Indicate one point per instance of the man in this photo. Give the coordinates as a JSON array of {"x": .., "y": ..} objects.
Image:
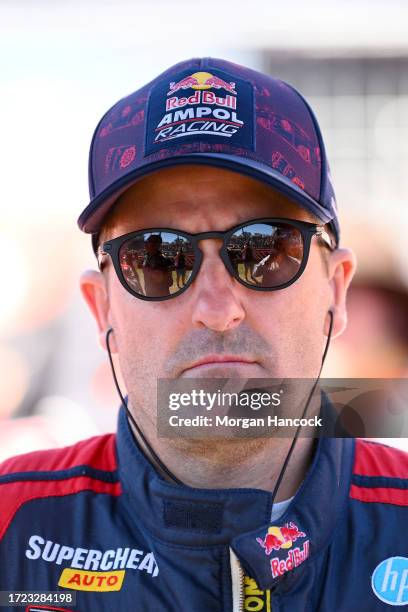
[
  {"x": 136, "y": 521},
  {"x": 156, "y": 268},
  {"x": 248, "y": 259},
  {"x": 180, "y": 265},
  {"x": 281, "y": 263}
]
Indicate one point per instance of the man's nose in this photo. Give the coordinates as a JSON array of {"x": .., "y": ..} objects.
[{"x": 217, "y": 295}]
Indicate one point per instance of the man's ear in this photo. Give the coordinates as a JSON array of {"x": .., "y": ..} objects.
[
  {"x": 341, "y": 268},
  {"x": 94, "y": 291}
]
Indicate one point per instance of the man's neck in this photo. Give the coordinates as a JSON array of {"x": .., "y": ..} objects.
[{"x": 250, "y": 463}]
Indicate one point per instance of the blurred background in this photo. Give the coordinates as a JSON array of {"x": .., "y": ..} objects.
[{"x": 63, "y": 64}]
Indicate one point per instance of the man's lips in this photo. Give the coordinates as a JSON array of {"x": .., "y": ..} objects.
[{"x": 220, "y": 359}]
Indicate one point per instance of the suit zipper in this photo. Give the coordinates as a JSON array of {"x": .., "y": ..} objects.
[
  {"x": 238, "y": 587},
  {"x": 237, "y": 579}
]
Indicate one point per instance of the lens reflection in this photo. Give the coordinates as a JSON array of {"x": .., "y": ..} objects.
[
  {"x": 156, "y": 265},
  {"x": 266, "y": 255}
]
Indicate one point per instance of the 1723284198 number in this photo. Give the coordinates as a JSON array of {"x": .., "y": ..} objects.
[{"x": 20, "y": 598}]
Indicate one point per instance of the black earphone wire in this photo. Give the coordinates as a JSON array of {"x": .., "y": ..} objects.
[
  {"x": 141, "y": 434},
  {"x": 166, "y": 469},
  {"x": 292, "y": 446}
]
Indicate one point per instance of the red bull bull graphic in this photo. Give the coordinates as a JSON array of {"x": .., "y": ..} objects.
[
  {"x": 201, "y": 106},
  {"x": 280, "y": 537},
  {"x": 186, "y": 83},
  {"x": 201, "y": 80},
  {"x": 270, "y": 542},
  {"x": 217, "y": 83},
  {"x": 283, "y": 538}
]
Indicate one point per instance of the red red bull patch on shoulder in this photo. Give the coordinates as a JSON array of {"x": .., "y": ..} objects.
[
  {"x": 200, "y": 106},
  {"x": 280, "y": 541}
]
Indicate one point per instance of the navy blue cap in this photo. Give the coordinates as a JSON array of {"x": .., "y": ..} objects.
[{"x": 214, "y": 112}]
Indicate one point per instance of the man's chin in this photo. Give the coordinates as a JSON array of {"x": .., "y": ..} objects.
[{"x": 206, "y": 447}]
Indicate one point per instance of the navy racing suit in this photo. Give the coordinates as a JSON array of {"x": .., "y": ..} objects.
[{"x": 96, "y": 519}]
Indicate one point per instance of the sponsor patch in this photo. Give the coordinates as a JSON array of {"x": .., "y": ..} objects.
[
  {"x": 390, "y": 581},
  {"x": 281, "y": 539},
  {"x": 254, "y": 598},
  {"x": 90, "y": 569},
  {"x": 200, "y": 106},
  {"x": 81, "y": 580}
]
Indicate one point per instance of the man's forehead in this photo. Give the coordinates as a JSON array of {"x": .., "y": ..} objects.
[{"x": 177, "y": 196}]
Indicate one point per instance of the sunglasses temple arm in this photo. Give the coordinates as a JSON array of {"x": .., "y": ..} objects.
[{"x": 325, "y": 236}]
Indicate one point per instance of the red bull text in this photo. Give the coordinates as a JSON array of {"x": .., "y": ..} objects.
[
  {"x": 281, "y": 538},
  {"x": 295, "y": 557},
  {"x": 202, "y": 97}
]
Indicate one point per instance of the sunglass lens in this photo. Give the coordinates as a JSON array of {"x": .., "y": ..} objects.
[
  {"x": 266, "y": 254},
  {"x": 156, "y": 265}
]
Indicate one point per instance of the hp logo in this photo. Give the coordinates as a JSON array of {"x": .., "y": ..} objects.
[{"x": 390, "y": 581}]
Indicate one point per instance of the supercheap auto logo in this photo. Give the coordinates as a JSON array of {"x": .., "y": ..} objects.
[
  {"x": 281, "y": 539},
  {"x": 205, "y": 106},
  {"x": 90, "y": 569}
]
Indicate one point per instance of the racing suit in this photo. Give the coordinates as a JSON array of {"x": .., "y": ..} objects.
[{"x": 97, "y": 520}]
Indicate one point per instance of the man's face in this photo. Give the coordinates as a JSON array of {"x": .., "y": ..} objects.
[{"x": 260, "y": 334}]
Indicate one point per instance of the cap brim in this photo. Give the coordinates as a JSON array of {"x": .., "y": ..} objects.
[{"x": 91, "y": 219}]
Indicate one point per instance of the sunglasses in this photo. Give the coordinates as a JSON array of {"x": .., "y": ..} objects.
[{"x": 263, "y": 254}]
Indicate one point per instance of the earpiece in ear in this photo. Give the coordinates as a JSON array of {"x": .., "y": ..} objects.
[
  {"x": 108, "y": 333},
  {"x": 330, "y": 312}
]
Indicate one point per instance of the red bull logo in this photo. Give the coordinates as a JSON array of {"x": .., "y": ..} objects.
[
  {"x": 281, "y": 538},
  {"x": 202, "y": 80},
  {"x": 200, "y": 106}
]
